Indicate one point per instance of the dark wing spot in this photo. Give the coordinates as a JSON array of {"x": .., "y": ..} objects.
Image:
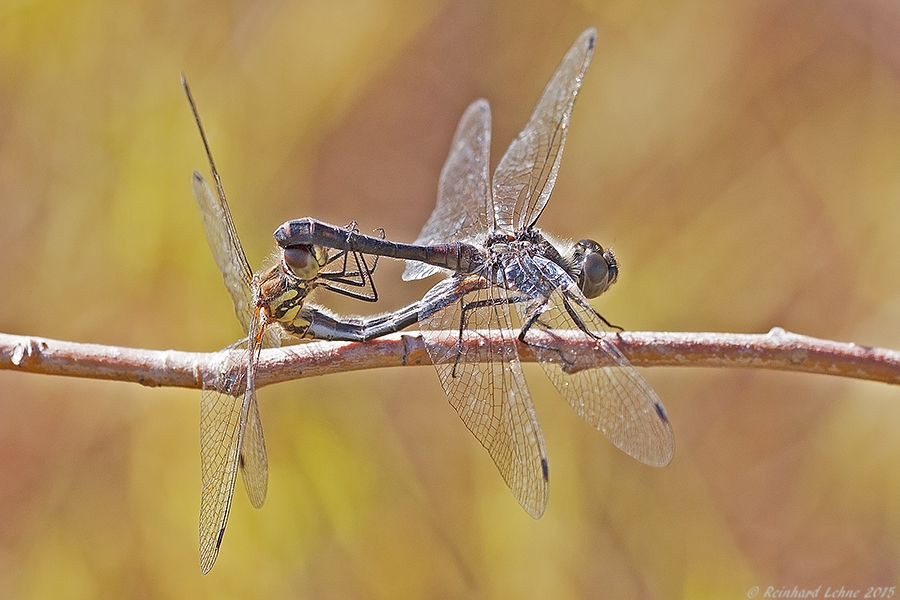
[
  {"x": 661, "y": 412},
  {"x": 545, "y": 469},
  {"x": 219, "y": 540}
]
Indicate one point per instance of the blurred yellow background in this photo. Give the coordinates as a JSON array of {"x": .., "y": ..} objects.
[{"x": 743, "y": 159}]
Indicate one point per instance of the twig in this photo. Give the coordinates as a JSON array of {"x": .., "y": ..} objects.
[{"x": 777, "y": 350}]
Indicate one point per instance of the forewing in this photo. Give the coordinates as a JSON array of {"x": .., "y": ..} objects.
[
  {"x": 463, "y": 211},
  {"x": 226, "y": 248},
  {"x": 527, "y": 172},
  {"x": 488, "y": 391},
  {"x": 606, "y": 391}
]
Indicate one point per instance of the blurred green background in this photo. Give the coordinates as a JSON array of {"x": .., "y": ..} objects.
[{"x": 742, "y": 158}]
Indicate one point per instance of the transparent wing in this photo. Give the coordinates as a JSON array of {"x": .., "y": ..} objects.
[
  {"x": 220, "y": 433},
  {"x": 527, "y": 172},
  {"x": 488, "y": 391},
  {"x": 226, "y": 248},
  {"x": 463, "y": 210},
  {"x": 609, "y": 393},
  {"x": 253, "y": 461},
  {"x": 231, "y": 437}
]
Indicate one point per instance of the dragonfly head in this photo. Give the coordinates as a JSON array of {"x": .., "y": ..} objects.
[
  {"x": 597, "y": 268},
  {"x": 304, "y": 261}
]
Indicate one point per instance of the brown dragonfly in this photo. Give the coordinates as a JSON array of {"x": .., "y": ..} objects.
[
  {"x": 231, "y": 435},
  {"x": 483, "y": 232}
]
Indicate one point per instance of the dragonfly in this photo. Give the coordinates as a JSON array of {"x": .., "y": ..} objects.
[
  {"x": 483, "y": 233},
  {"x": 231, "y": 434}
]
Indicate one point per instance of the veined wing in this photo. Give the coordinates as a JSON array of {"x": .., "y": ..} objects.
[
  {"x": 488, "y": 392},
  {"x": 226, "y": 248},
  {"x": 527, "y": 172},
  {"x": 231, "y": 435},
  {"x": 463, "y": 211},
  {"x": 254, "y": 463},
  {"x": 230, "y": 438},
  {"x": 225, "y": 244},
  {"x": 220, "y": 432},
  {"x": 607, "y": 391},
  {"x": 228, "y": 253}
]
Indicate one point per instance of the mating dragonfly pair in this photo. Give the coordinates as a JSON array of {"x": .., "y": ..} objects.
[{"x": 507, "y": 282}]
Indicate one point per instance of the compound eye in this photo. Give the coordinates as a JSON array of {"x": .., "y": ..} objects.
[
  {"x": 302, "y": 261},
  {"x": 599, "y": 270}
]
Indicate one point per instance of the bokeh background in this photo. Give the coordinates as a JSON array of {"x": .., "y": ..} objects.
[{"x": 743, "y": 158}]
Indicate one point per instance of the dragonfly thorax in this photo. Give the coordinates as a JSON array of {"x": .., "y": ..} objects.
[{"x": 280, "y": 293}]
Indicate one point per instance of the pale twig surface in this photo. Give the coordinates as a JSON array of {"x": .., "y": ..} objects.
[{"x": 777, "y": 350}]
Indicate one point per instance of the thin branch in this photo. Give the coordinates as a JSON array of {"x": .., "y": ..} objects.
[{"x": 776, "y": 350}]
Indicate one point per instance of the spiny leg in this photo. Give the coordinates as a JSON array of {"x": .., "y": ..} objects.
[
  {"x": 465, "y": 311},
  {"x": 360, "y": 278}
]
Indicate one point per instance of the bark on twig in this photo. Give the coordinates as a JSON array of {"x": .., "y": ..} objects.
[{"x": 776, "y": 350}]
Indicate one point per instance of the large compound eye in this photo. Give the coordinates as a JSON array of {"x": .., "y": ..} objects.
[
  {"x": 303, "y": 261},
  {"x": 598, "y": 270}
]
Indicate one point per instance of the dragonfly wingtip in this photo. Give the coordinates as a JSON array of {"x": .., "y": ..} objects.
[{"x": 207, "y": 562}]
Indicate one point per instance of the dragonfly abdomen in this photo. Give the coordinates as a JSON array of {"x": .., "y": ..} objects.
[{"x": 459, "y": 257}]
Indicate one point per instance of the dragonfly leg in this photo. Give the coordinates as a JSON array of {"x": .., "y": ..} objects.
[
  {"x": 465, "y": 311},
  {"x": 533, "y": 318},
  {"x": 360, "y": 278},
  {"x": 352, "y": 230},
  {"x": 580, "y": 322},
  {"x": 607, "y": 323}
]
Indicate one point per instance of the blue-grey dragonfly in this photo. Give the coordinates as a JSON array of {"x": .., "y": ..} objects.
[
  {"x": 483, "y": 232},
  {"x": 231, "y": 435}
]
